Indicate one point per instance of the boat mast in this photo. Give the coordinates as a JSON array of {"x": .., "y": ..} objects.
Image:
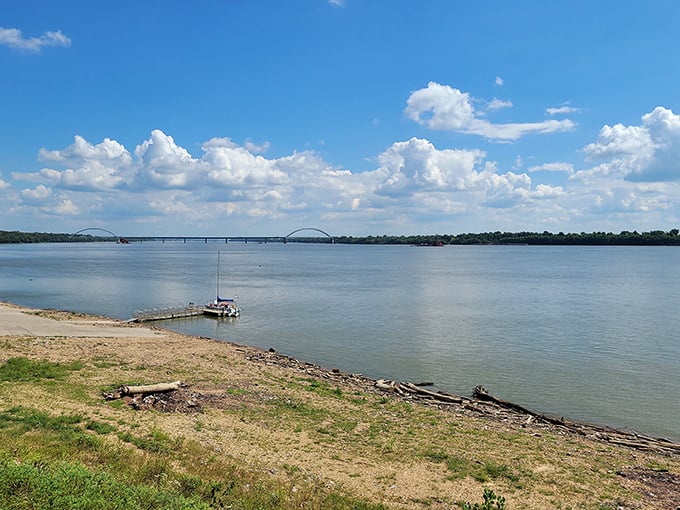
[{"x": 218, "y": 275}]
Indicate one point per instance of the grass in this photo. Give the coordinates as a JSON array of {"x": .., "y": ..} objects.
[
  {"x": 55, "y": 461},
  {"x": 482, "y": 471},
  {"x": 278, "y": 440},
  {"x": 27, "y": 370},
  {"x": 72, "y": 485}
]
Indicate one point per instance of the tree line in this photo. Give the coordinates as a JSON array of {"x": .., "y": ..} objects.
[
  {"x": 46, "y": 237},
  {"x": 624, "y": 238}
]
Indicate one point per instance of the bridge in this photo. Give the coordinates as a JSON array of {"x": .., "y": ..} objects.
[{"x": 205, "y": 239}]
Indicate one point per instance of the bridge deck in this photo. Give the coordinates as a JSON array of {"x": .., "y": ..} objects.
[{"x": 226, "y": 239}]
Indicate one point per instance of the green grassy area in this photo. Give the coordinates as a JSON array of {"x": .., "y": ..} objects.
[
  {"x": 66, "y": 461},
  {"x": 63, "y": 446},
  {"x": 69, "y": 461}
]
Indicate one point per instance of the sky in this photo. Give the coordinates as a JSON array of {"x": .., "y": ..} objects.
[{"x": 357, "y": 117}]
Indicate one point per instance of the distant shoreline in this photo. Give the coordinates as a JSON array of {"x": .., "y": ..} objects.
[{"x": 623, "y": 238}]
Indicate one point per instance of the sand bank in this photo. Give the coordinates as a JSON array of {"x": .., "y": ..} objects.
[{"x": 15, "y": 321}]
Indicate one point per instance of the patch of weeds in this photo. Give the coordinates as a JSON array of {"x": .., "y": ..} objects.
[
  {"x": 236, "y": 391},
  {"x": 99, "y": 427},
  {"x": 436, "y": 455},
  {"x": 657, "y": 466},
  {"x": 492, "y": 470},
  {"x": 462, "y": 468},
  {"x": 156, "y": 442},
  {"x": 299, "y": 409},
  {"x": 107, "y": 362},
  {"x": 291, "y": 470},
  {"x": 29, "y": 419},
  {"x": 25, "y": 370},
  {"x": 346, "y": 425},
  {"x": 322, "y": 388},
  {"x": 116, "y": 404},
  {"x": 459, "y": 467},
  {"x": 57, "y": 437},
  {"x": 491, "y": 502}
]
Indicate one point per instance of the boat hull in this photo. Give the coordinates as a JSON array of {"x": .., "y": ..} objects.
[{"x": 222, "y": 311}]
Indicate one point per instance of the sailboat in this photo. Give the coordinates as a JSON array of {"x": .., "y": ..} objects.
[{"x": 221, "y": 307}]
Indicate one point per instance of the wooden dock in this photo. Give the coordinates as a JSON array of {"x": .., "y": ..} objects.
[{"x": 171, "y": 312}]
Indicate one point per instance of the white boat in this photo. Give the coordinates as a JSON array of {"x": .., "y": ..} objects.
[{"x": 221, "y": 307}]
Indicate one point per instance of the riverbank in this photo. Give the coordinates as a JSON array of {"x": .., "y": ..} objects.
[{"x": 304, "y": 430}]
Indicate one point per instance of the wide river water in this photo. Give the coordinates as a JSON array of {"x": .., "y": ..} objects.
[{"x": 589, "y": 333}]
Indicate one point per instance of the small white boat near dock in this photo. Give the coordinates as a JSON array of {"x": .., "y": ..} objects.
[{"x": 221, "y": 307}]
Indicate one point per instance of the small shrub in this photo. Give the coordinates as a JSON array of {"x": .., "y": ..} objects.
[{"x": 491, "y": 502}]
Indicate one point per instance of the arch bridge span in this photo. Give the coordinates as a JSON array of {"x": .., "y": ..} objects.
[
  {"x": 243, "y": 239},
  {"x": 98, "y": 229},
  {"x": 313, "y": 229}
]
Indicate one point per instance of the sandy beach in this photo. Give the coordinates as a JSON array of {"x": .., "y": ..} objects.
[{"x": 244, "y": 404}]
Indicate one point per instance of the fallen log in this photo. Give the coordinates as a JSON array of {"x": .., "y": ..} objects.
[
  {"x": 414, "y": 390},
  {"x": 480, "y": 393},
  {"x": 125, "y": 391},
  {"x": 444, "y": 397},
  {"x": 151, "y": 388}
]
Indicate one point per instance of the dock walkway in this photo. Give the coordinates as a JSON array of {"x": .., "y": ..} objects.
[{"x": 172, "y": 312}]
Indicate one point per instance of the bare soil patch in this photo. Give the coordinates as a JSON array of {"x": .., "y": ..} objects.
[{"x": 659, "y": 488}]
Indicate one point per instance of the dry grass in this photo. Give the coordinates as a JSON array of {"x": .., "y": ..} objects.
[{"x": 307, "y": 430}]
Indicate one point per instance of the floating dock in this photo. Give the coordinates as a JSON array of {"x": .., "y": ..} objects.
[{"x": 171, "y": 312}]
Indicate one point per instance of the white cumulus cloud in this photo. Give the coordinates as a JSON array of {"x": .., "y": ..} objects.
[
  {"x": 104, "y": 166},
  {"x": 14, "y": 38},
  {"x": 414, "y": 185},
  {"x": 441, "y": 107},
  {"x": 648, "y": 152}
]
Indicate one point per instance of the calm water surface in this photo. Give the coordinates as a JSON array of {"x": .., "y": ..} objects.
[{"x": 590, "y": 333}]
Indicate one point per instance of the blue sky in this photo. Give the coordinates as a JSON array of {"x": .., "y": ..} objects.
[{"x": 358, "y": 117}]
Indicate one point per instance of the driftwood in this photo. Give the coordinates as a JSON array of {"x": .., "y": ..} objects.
[
  {"x": 407, "y": 388},
  {"x": 126, "y": 391},
  {"x": 480, "y": 393},
  {"x": 484, "y": 403}
]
